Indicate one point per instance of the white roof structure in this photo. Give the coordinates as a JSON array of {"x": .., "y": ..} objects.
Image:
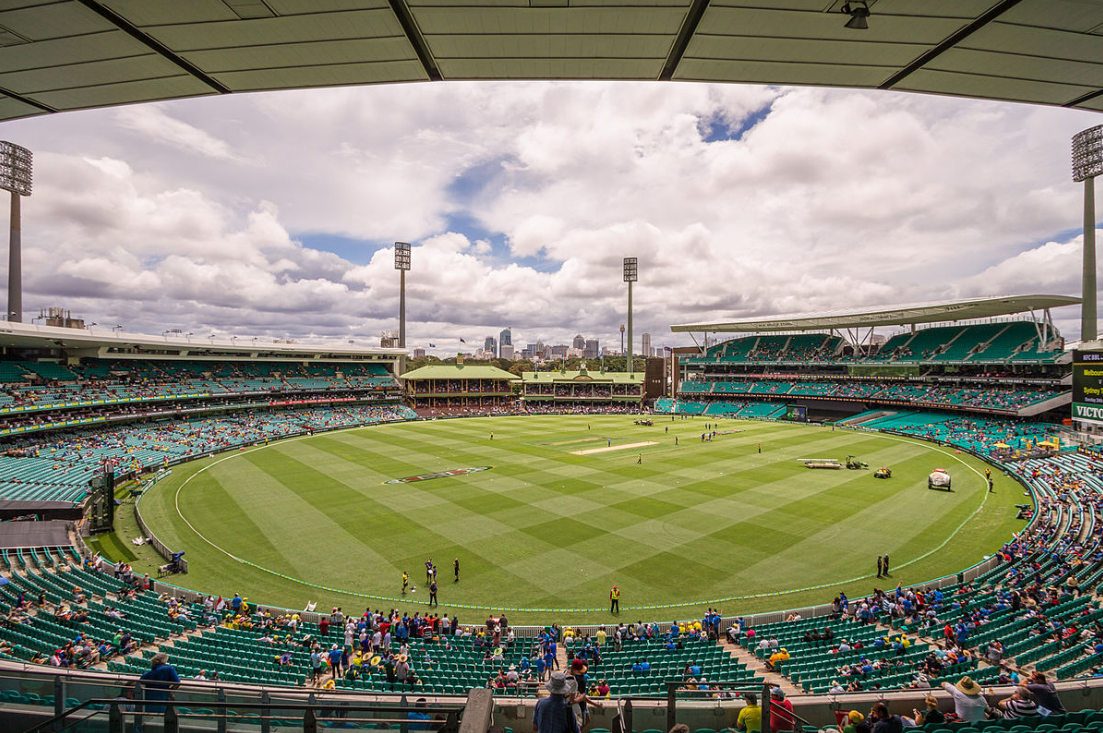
[
  {"x": 889, "y": 315},
  {"x": 108, "y": 342},
  {"x": 58, "y": 55}
]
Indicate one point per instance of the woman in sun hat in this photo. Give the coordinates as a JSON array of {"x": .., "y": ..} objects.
[
  {"x": 969, "y": 704},
  {"x": 553, "y": 714}
]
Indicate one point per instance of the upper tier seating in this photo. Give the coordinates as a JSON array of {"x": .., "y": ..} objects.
[
  {"x": 48, "y": 385},
  {"x": 985, "y": 343}
]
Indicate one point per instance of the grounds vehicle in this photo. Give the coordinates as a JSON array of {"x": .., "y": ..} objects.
[
  {"x": 883, "y": 473},
  {"x": 853, "y": 463},
  {"x": 939, "y": 479}
]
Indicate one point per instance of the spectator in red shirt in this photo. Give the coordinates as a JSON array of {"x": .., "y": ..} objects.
[{"x": 781, "y": 711}]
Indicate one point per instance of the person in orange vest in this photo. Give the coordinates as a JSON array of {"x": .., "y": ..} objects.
[{"x": 614, "y": 600}]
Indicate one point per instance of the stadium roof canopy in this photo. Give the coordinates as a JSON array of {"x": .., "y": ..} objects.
[
  {"x": 458, "y": 371},
  {"x": 58, "y": 55},
  {"x": 583, "y": 375},
  {"x": 890, "y": 315},
  {"x": 116, "y": 343}
]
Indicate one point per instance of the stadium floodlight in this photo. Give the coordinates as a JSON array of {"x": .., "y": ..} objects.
[
  {"x": 631, "y": 275},
  {"x": 1087, "y": 154},
  {"x": 631, "y": 270},
  {"x": 858, "y": 10},
  {"x": 402, "y": 264},
  {"x": 1087, "y": 163},
  {"x": 402, "y": 255},
  {"x": 15, "y": 177}
]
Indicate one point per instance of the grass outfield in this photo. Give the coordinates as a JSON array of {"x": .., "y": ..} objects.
[{"x": 553, "y": 525}]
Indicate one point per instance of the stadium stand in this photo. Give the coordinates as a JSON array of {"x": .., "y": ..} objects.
[
  {"x": 58, "y": 465},
  {"x": 46, "y": 385},
  {"x": 999, "y": 342},
  {"x": 1005, "y": 399}
]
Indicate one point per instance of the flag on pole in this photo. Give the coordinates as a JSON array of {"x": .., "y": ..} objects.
[
  {"x": 462, "y": 341},
  {"x": 432, "y": 346}
]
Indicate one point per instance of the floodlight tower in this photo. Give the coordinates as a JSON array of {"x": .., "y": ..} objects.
[
  {"x": 631, "y": 274},
  {"x": 402, "y": 264},
  {"x": 1087, "y": 163},
  {"x": 15, "y": 176}
]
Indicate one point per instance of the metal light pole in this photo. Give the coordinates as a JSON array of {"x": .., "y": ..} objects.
[
  {"x": 15, "y": 176},
  {"x": 402, "y": 264},
  {"x": 630, "y": 276},
  {"x": 1087, "y": 163}
]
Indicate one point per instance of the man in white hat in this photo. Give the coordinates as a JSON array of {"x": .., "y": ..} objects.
[{"x": 553, "y": 714}]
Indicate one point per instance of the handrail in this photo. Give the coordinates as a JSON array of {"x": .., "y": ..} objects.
[
  {"x": 451, "y": 724},
  {"x": 49, "y": 724}
]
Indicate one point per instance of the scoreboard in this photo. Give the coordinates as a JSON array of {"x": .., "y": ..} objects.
[
  {"x": 1087, "y": 386},
  {"x": 799, "y": 413}
]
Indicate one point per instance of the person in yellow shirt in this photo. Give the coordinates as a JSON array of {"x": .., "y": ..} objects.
[
  {"x": 778, "y": 657},
  {"x": 750, "y": 717}
]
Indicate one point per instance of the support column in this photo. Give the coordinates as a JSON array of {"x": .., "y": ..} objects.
[
  {"x": 15, "y": 264},
  {"x": 1088, "y": 314},
  {"x": 628, "y": 363},
  {"x": 402, "y": 319}
]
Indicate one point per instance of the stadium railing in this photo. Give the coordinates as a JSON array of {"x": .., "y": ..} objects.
[{"x": 47, "y": 700}]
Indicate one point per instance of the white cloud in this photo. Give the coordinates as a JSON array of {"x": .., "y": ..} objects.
[{"x": 155, "y": 123}]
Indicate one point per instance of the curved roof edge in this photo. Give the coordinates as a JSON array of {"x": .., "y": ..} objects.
[
  {"x": 61, "y": 55},
  {"x": 87, "y": 340},
  {"x": 887, "y": 315}
]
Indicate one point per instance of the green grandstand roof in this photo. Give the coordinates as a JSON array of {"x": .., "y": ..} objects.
[
  {"x": 583, "y": 376},
  {"x": 458, "y": 371},
  {"x": 944, "y": 311},
  {"x": 58, "y": 55}
]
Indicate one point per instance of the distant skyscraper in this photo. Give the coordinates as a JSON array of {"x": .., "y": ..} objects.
[
  {"x": 505, "y": 338},
  {"x": 490, "y": 345},
  {"x": 591, "y": 351},
  {"x": 507, "y": 352},
  {"x": 578, "y": 343},
  {"x": 645, "y": 344},
  {"x": 419, "y": 352}
]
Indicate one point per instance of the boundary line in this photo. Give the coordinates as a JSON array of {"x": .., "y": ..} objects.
[{"x": 657, "y": 606}]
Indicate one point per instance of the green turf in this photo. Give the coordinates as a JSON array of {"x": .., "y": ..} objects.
[
  {"x": 111, "y": 547},
  {"x": 546, "y": 529}
]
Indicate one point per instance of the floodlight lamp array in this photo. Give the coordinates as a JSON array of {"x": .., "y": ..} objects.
[
  {"x": 402, "y": 255},
  {"x": 1087, "y": 154},
  {"x": 15, "y": 168},
  {"x": 631, "y": 270}
]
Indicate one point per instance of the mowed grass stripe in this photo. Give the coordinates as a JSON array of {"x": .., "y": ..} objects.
[{"x": 210, "y": 508}]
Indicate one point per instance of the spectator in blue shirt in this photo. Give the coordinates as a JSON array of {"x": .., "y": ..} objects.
[
  {"x": 419, "y": 715},
  {"x": 158, "y": 682},
  {"x": 334, "y": 660},
  {"x": 553, "y": 714}
]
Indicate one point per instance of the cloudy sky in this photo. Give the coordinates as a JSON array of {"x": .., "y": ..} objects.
[{"x": 273, "y": 215}]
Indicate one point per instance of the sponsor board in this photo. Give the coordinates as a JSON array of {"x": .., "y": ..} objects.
[
  {"x": 1087, "y": 386},
  {"x": 439, "y": 474}
]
